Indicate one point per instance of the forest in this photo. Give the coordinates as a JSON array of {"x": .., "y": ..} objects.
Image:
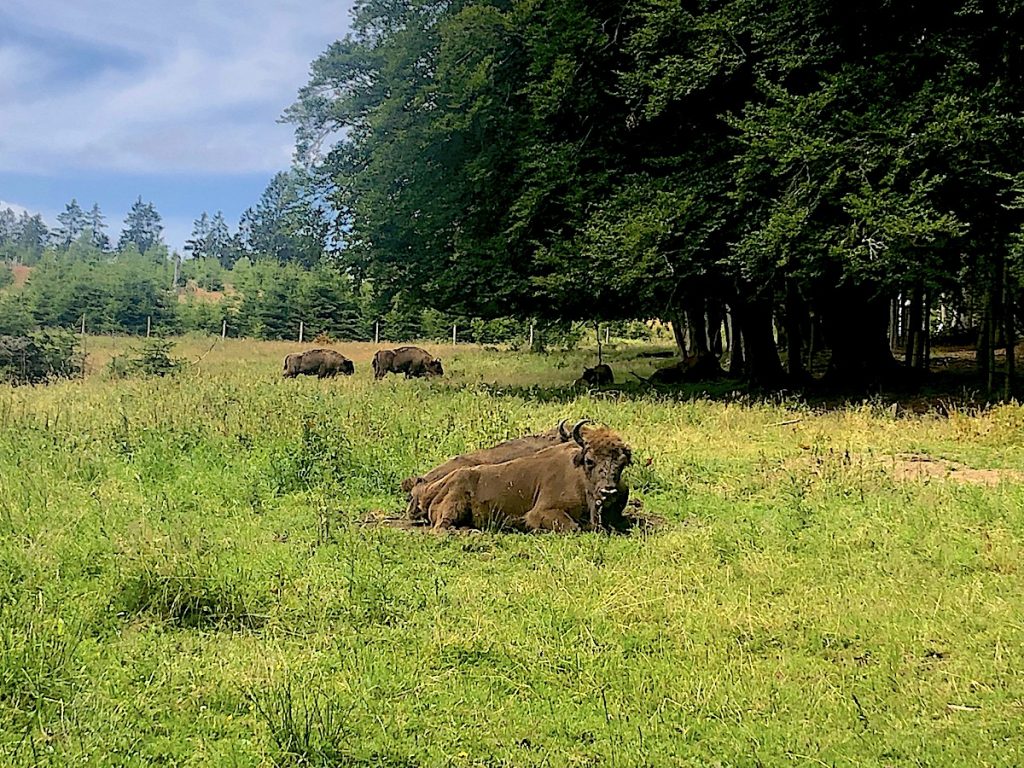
[{"x": 837, "y": 178}]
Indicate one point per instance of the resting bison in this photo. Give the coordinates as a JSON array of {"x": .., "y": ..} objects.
[
  {"x": 691, "y": 368},
  {"x": 506, "y": 451},
  {"x": 321, "y": 362},
  {"x": 560, "y": 488},
  {"x": 596, "y": 376},
  {"x": 412, "y": 361}
]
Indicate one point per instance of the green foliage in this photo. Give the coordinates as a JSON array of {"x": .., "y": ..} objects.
[
  {"x": 40, "y": 356},
  {"x": 119, "y": 293},
  {"x": 287, "y": 224},
  {"x": 22, "y": 238},
  {"x": 152, "y": 358},
  {"x": 6, "y": 275},
  {"x": 277, "y": 297},
  {"x": 15, "y": 317},
  {"x": 142, "y": 228},
  {"x": 591, "y": 160}
]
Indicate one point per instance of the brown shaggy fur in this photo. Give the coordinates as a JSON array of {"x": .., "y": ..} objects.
[
  {"x": 560, "y": 488},
  {"x": 502, "y": 452}
]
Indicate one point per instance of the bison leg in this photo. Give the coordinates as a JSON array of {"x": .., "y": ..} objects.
[
  {"x": 448, "y": 506},
  {"x": 540, "y": 519}
]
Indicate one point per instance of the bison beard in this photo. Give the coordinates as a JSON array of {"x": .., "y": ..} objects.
[{"x": 561, "y": 488}]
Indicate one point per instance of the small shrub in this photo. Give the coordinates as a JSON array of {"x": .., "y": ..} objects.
[
  {"x": 152, "y": 359},
  {"x": 39, "y": 357}
]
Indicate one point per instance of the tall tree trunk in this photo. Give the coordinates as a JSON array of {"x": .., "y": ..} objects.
[
  {"x": 714, "y": 318},
  {"x": 856, "y": 325},
  {"x": 698, "y": 330},
  {"x": 679, "y": 332},
  {"x": 922, "y": 333},
  {"x": 795, "y": 311},
  {"x": 762, "y": 366},
  {"x": 894, "y": 323},
  {"x": 1009, "y": 332},
  {"x": 913, "y": 326},
  {"x": 735, "y": 344},
  {"x": 981, "y": 355}
]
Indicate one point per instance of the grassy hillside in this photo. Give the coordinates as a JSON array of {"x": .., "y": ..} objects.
[{"x": 185, "y": 578}]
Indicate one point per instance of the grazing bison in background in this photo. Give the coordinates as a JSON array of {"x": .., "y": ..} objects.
[
  {"x": 506, "y": 451},
  {"x": 596, "y": 376},
  {"x": 561, "y": 488},
  {"x": 323, "y": 363},
  {"x": 690, "y": 368},
  {"x": 412, "y": 361}
]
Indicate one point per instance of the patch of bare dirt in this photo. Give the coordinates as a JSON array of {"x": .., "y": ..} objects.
[
  {"x": 919, "y": 466},
  {"x": 21, "y": 273}
]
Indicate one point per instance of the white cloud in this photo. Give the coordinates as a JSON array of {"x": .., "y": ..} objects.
[{"x": 152, "y": 86}]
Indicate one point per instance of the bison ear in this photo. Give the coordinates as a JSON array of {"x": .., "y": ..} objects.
[
  {"x": 577, "y": 458},
  {"x": 629, "y": 457}
]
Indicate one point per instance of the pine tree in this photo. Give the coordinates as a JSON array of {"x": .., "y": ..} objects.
[
  {"x": 142, "y": 227},
  {"x": 72, "y": 224},
  {"x": 198, "y": 242},
  {"x": 8, "y": 226},
  {"x": 97, "y": 227},
  {"x": 32, "y": 236},
  {"x": 219, "y": 245}
]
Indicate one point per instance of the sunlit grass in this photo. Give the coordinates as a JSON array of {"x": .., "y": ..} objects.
[{"x": 184, "y": 580}]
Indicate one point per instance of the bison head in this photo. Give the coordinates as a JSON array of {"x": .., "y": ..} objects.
[
  {"x": 603, "y": 456},
  {"x": 433, "y": 367},
  {"x": 348, "y": 367}
]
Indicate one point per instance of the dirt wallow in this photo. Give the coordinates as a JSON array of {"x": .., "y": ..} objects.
[{"x": 561, "y": 480}]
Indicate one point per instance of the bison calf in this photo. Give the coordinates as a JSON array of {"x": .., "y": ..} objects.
[
  {"x": 412, "y": 361},
  {"x": 561, "y": 488},
  {"x": 322, "y": 363}
]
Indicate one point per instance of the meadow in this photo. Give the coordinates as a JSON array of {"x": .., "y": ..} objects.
[{"x": 187, "y": 576}]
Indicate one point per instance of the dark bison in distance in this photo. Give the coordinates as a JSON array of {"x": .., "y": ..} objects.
[
  {"x": 506, "y": 451},
  {"x": 322, "y": 363},
  {"x": 412, "y": 361},
  {"x": 596, "y": 376},
  {"x": 565, "y": 487}
]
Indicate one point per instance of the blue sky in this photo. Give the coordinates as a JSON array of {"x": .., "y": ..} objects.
[{"x": 107, "y": 100}]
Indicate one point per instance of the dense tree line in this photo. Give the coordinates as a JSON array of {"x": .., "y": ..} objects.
[
  {"x": 128, "y": 292},
  {"x": 840, "y": 176}
]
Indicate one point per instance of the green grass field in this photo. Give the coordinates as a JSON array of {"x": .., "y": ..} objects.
[{"x": 184, "y": 579}]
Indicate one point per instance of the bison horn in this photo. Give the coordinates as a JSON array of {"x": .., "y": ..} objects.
[
  {"x": 576, "y": 431},
  {"x": 561, "y": 431}
]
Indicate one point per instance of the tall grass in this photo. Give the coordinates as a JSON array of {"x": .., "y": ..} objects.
[{"x": 184, "y": 578}]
